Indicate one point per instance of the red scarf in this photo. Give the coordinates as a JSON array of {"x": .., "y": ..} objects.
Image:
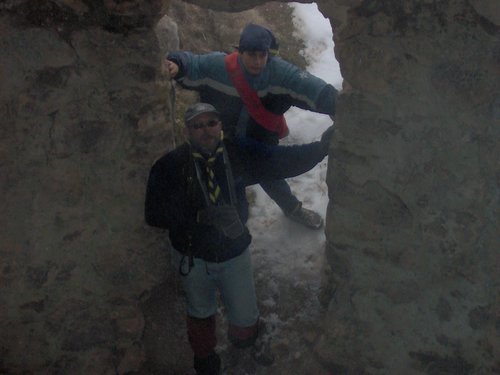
[{"x": 270, "y": 121}]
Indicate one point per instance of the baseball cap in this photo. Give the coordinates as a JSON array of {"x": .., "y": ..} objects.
[
  {"x": 198, "y": 109},
  {"x": 257, "y": 38}
]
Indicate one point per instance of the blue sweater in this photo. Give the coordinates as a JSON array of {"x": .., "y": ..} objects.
[{"x": 279, "y": 86}]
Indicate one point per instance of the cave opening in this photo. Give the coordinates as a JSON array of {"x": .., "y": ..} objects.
[{"x": 289, "y": 264}]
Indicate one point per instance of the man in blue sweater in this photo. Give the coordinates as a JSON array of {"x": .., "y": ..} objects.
[
  {"x": 197, "y": 192},
  {"x": 252, "y": 89}
]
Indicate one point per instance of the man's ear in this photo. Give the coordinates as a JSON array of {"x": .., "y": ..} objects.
[{"x": 185, "y": 131}]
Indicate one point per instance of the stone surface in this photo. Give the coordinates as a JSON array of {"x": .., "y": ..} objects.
[
  {"x": 413, "y": 216},
  {"x": 412, "y": 227},
  {"x": 83, "y": 109}
]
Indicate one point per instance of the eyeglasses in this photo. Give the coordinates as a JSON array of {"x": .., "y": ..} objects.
[{"x": 202, "y": 125}]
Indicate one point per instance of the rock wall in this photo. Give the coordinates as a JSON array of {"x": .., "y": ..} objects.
[
  {"x": 412, "y": 227},
  {"x": 83, "y": 113}
]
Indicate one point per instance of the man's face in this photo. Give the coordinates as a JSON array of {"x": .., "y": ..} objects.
[
  {"x": 204, "y": 132},
  {"x": 254, "y": 61}
]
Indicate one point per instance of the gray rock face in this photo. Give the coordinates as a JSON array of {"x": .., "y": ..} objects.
[
  {"x": 412, "y": 223},
  {"x": 83, "y": 114},
  {"x": 412, "y": 226}
]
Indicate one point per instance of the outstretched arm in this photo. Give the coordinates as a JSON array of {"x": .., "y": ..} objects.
[
  {"x": 193, "y": 70},
  {"x": 304, "y": 89}
]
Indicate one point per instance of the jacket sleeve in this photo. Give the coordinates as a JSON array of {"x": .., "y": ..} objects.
[
  {"x": 261, "y": 162},
  {"x": 305, "y": 89},
  {"x": 198, "y": 70},
  {"x": 163, "y": 197}
]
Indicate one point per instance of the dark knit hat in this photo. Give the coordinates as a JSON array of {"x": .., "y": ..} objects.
[{"x": 257, "y": 38}]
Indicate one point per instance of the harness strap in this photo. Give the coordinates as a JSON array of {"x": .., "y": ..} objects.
[
  {"x": 230, "y": 178},
  {"x": 270, "y": 121},
  {"x": 188, "y": 177}
]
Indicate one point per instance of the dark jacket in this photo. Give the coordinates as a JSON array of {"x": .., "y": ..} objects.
[
  {"x": 279, "y": 86},
  {"x": 174, "y": 195}
]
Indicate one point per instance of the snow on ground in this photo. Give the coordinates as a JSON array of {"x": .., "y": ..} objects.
[{"x": 288, "y": 247}]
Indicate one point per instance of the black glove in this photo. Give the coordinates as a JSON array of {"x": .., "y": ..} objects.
[
  {"x": 326, "y": 139},
  {"x": 224, "y": 218}
]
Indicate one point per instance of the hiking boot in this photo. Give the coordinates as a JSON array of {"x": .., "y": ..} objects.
[
  {"x": 261, "y": 352},
  {"x": 239, "y": 361},
  {"x": 246, "y": 360},
  {"x": 261, "y": 348},
  {"x": 210, "y": 365},
  {"x": 306, "y": 217}
]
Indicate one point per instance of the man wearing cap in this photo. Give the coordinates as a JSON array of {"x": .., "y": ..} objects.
[
  {"x": 197, "y": 192},
  {"x": 252, "y": 89}
]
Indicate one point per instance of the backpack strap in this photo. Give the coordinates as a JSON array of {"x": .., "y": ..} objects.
[
  {"x": 270, "y": 121},
  {"x": 187, "y": 178}
]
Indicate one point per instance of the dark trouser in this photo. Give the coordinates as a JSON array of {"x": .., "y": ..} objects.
[{"x": 280, "y": 192}]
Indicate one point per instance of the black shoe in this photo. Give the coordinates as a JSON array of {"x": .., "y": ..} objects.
[
  {"x": 261, "y": 352},
  {"x": 261, "y": 349},
  {"x": 208, "y": 365},
  {"x": 306, "y": 217},
  {"x": 239, "y": 360},
  {"x": 249, "y": 358}
]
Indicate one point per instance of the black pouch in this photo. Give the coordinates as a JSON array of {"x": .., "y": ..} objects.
[
  {"x": 232, "y": 229},
  {"x": 224, "y": 218}
]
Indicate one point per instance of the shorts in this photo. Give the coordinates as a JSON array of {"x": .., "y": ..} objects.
[{"x": 233, "y": 279}]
